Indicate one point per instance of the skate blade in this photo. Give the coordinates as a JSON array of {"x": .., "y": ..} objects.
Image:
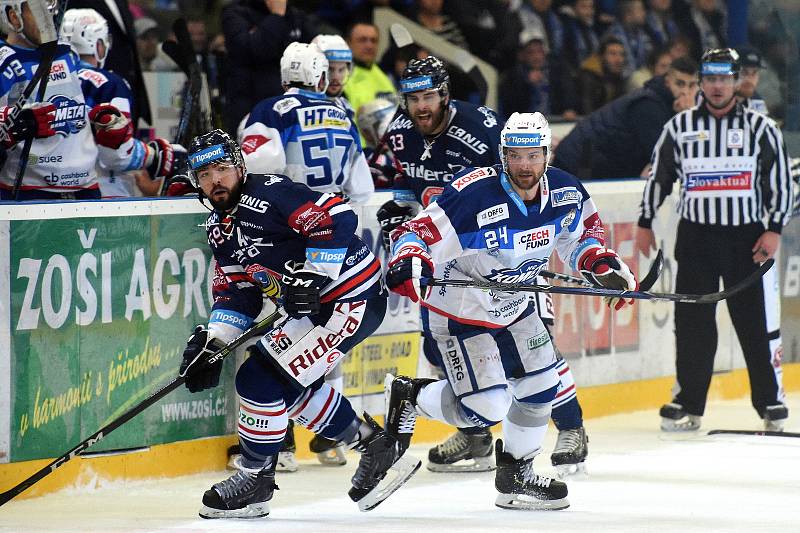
[
  {"x": 286, "y": 462},
  {"x": 333, "y": 457},
  {"x": 254, "y": 510},
  {"x": 477, "y": 464},
  {"x": 523, "y": 502},
  {"x": 682, "y": 425},
  {"x": 400, "y": 472},
  {"x": 575, "y": 471}
]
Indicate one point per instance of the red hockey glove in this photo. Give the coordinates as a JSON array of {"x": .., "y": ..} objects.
[
  {"x": 406, "y": 268},
  {"x": 111, "y": 127},
  {"x": 604, "y": 268},
  {"x": 33, "y": 122},
  {"x": 160, "y": 158}
]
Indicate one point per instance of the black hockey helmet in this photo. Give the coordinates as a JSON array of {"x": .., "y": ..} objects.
[
  {"x": 720, "y": 62},
  {"x": 216, "y": 146},
  {"x": 424, "y": 74}
]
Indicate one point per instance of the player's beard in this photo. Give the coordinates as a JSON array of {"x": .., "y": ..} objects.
[
  {"x": 526, "y": 180},
  {"x": 432, "y": 124},
  {"x": 225, "y": 202}
]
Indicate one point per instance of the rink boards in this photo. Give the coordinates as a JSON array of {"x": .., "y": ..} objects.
[{"x": 97, "y": 298}]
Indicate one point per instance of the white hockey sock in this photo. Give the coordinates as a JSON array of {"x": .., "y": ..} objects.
[
  {"x": 438, "y": 401},
  {"x": 524, "y": 428}
]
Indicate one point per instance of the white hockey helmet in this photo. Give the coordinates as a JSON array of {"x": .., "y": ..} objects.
[
  {"x": 373, "y": 119},
  {"x": 304, "y": 64},
  {"x": 334, "y": 48},
  {"x": 83, "y": 29},
  {"x": 525, "y": 130},
  {"x": 6, "y": 26}
]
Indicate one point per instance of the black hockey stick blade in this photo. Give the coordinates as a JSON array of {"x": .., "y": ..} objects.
[
  {"x": 644, "y": 285},
  {"x": 97, "y": 436},
  {"x": 709, "y": 298},
  {"x": 760, "y": 433}
]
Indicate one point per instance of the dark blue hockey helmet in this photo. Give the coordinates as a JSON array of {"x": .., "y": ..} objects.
[
  {"x": 216, "y": 146},
  {"x": 422, "y": 75}
]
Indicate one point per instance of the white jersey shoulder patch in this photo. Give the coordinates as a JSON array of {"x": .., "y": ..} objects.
[
  {"x": 92, "y": 76},
  {"x": 285, "y": 105}
]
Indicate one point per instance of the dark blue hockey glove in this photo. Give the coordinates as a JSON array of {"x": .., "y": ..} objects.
[{"x": 300, "y": 293}]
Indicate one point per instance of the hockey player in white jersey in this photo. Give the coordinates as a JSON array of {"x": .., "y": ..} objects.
[
  {"x": 304, "y": 135},
  {"x": 65, "y": 149},
  {"x": 498, "y": 223},
  {"x": 340, "y": 64}
]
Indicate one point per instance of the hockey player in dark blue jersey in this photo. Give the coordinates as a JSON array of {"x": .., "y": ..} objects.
[
  {"x": 498, "y": 223},
  {"x": 275, "y": 238},
  {"x": 303, "y": 134},
  {"x": 435, "y": 138}
]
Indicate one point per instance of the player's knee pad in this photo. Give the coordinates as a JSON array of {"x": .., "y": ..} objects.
[
  {"x": 324, "y": 411},
  {"x": 258, "y": 381},
  {"x": 486, "y": 408},
  {"x": 529, "y": 414}
]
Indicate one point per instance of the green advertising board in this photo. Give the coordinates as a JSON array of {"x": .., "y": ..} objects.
[{"x": 100, "y": 312}]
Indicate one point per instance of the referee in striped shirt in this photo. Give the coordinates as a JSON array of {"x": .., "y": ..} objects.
[{"x": 734, "y": 177}]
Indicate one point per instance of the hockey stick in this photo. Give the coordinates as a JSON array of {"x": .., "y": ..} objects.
[
  {"x": 709, "y": 298},
  {"x": 759, "y": 433},
  {"x": 133, "y": 411},
  {"x": 49, "y": 39},
  {"x": 644, "y": 285}
]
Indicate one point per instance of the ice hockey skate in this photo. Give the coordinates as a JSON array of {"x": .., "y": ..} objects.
[
  {"x": 463, "y": 452},
  {"x": 569, "y": 454},
  {"x": 329, "y": 452},
  {"x": 674, "y": 418},
  {"x": 246, "y": 494},
  {"x": 381, "y": 470},
  {"x": 400, "y": 395},
  {"x": 774, "y": 417},
  {"x": 286, "y": 459},
  {"x": 520, "y": 488}
]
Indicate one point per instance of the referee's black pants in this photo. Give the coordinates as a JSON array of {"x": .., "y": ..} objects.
[{"x": 704, "y": 254}]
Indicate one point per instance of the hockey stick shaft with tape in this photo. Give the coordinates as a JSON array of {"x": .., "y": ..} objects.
[
  {"x": 709, "y": 298},
  {"x": 645, "y": 284},
  {"x": 103, "y": 432}
]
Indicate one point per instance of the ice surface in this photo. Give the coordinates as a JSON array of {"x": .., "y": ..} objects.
[{"x": 639, "y": 480}]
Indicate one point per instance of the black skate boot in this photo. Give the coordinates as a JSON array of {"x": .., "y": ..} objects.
[
  {"x": 463, "y": 452},
  {"x": 380, "y": 454},
  {"x": 675, "y": 418},
  {"x": 569, "y": 455},
  {"x": 774, "y": 417},
  {"x": 400, "y": 394},
  {"x": 520, "y": 488},
  {"x": 246, "y": 494},
  {"x": 286, "y": 459},
  {"x": 329, "y": 452}
]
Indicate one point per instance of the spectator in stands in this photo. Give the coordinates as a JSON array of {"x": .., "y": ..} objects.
[
  {"x": 367, "y": 81},
  {"x": 492, "y": 30},
  {"x": 339, "y": 14},
  {"x": 680, "y": 46},
  {"x": 749, "y": 75},
  {"x": 660, "y": 23},
  {"x": 534, "y": 84},
  {"x": 617, "y": 140},
  {"x": 703, "y": 23},
  {"x": 430, "y": 15},
  {"x": 256, "y": 34},
  {"x": 630, "y": 31},
  {"x": 210, "y": 55},
  {"x": 657, "y": 65},
  {"x": 581, "y": 38},
  {"x": 537, "y": 16},
  {"x": 601, "y": 77},
  {"x": 151, "y": 54}
]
